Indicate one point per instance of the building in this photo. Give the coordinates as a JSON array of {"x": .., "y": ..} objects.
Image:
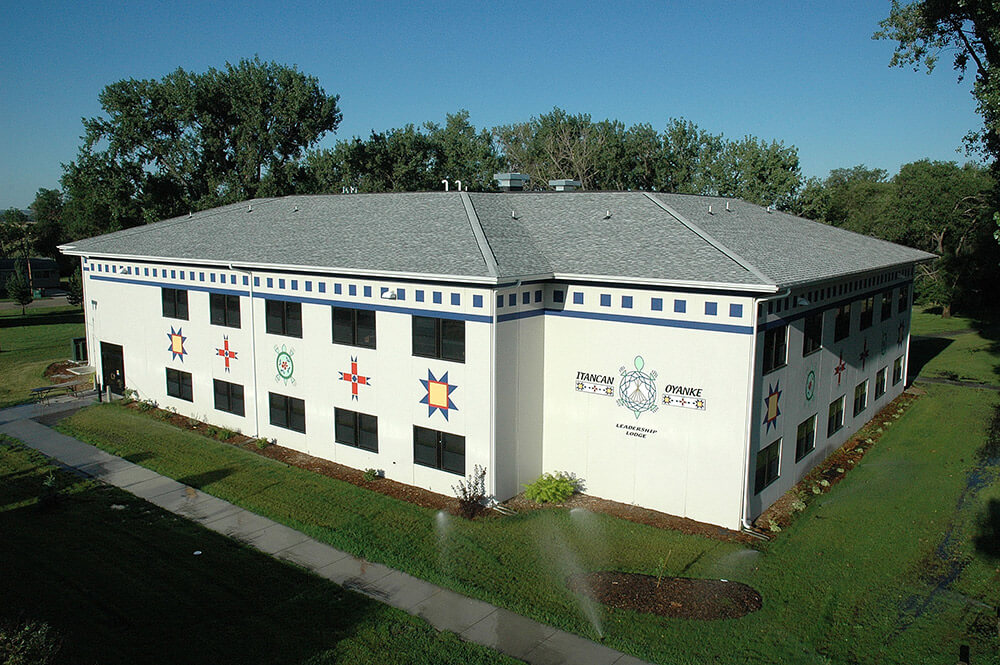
[
  {"x": 43, "y": 273},
  {"x": 694, "y": 355}
]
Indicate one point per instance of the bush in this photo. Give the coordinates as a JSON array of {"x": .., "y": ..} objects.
[
  {"x": 371, "y": 475},
  {"x": 31, "y": 643},
  {"x": 471, "y": 494},
  {"x": 552, "y": 487}
]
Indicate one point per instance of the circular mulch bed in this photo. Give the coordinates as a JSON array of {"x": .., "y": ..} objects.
[{"x": 674, "y": 597}]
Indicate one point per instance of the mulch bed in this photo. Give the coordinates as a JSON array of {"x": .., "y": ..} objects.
[{"x": 673, "y": 597}]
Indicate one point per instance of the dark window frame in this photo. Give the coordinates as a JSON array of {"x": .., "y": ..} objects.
[
  {"x": 283, "y": 317},
  {"x": 903, "y": 299},
  {"x": 880, "y": 381},
  {"x": 224, "y": 310},
  {"x": 179, "y": 384},
  {"x": 357, "y": 327},
  {"x": 775, "y": 349},
  {"x": 805, "y": 444},
  {"x": 174, "y": 303},
  {"x": 812, "y": 334},
  {"x": 768, "y": 467},
  {"x": 443, "y": 338},
  {"x": 287, "y": 412},
  {"x": 835, "y": 416},
  {"x": 842, "y": 322},
  {"x": 867, "y": 313},
  {"x": 356, "y": 426},
  {"x": 860, "y": 398},
  {"x": 231, "y": 402},
  {"x": 886, "y": 313},
  {"x": 441, "y": 460},
  {"x": 897, "y": 370}
]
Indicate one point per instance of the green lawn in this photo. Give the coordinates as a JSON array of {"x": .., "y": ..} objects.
[
  {"x": 925, "y": 322},
  {"x": 967, "y": 356},
  {"x": 31, "y": 343},
  {"x": 118, "y": 580}
]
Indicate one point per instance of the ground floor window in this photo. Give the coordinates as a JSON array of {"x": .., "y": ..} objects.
[
  {"x": 880, "y": 382},
  {"x": 860, "y": 397},
  {"x": 805, "y": 438},
  {"x": 356, "y": 429},
  {"x": 439, "y": 450},
  {"x": 287, "y": 412},
  {"x": 229, "y": 397},
  {"x": 767, "y": 466},
  {"x": 179, "y": 384},
  {"x": 897, "y": 370},
  {"x": 835, "y": 420}
]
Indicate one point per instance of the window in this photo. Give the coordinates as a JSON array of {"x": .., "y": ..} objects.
[
  {"x": 842, "y": 324},
  {"x": 774, "y": 349},
  {"x": 867, "y": 312},
  {"x": 284, "y": 318},
  {"x": 904, "y": 299},
  {"x": 224, "y": 310},
  {"x": 229, "y": 397},
  {"x": 812, "y": 337},
  {"x": 439, "y": 450},
  {"x": 880, "y": 382},
  {"x": 356, "y": 429},
  {"x": 439, "y": 338},
  {"x": 767, "y": 466},
  {"x": 805, "y": 438},
  {"x": 860, "y": 397},
  {"x": 835, "y": 420},
  {"x": 288, "y": 412},
  {"x": 179, "y": 384},
  {"x": 886, "y": 313},
  {"x": 897, "y": 370},
  {"x": 175, "y": 303},
  {"x": 355, "y": 327}
]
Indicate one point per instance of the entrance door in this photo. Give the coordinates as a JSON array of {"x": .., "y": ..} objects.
[{"x": 113, "y": 364}]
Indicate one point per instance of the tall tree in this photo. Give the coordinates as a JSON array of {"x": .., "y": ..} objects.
[
  {"x": 754, "y": 170},
  {"x": 16, "y": 234},
  {"x": 19, "y": 288},
  {"x": 970, "y": 29},
  {"x": 191, "y": 141},
  {"x": 47, "y": 209}
]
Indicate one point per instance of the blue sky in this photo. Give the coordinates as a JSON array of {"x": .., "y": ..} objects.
[{"x": 804, "y": 73}]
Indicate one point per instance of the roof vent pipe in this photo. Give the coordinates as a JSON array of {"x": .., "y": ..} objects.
[
  {"x": 727, "y": 207},
  {"x": 445, "y": 183},
  {"x": 458, "y": 185},
  {"x": 564, "y": 185},
  {"x": 511, "y": 182},
  {"x": 710, "y": 210}
]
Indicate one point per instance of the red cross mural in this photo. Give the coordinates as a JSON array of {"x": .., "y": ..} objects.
[
  {"x": 355, "y": 378},
  {"x": 840, "y": 367},
  {"x": 226, "y": 352},
  {"x": 864, "y": 355}
]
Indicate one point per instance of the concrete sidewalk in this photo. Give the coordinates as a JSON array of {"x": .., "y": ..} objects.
[{"x": 473, "y": 620}]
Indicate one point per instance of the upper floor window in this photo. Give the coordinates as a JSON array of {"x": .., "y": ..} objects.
[
  {"x": 842, "y": 323},
  {"x": 175, "y": 303},
  {"x": 886, "y": 313},
  {"x": 224, "y": 310},
  {"x": 774, "y": 349},
  {"x": 812, "y": 337},
  {"x": 283, "y": 318},
  {"x": 904, "y": 299},
  {"x": 355, "y": 327},
  {"x": 439, "y": 338},
  {"x": 867, "y": 312}
]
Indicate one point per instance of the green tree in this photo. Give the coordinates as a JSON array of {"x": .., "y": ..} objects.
[
  {"x": 463, "y": 152},
  {"x": 47, "y": 209},
  {"x": 192, "y": 141},
  {"x": 74, "y": 295},
  {"x": 689, "y": 157},
  {"x": 968, "y": 29},
  {"x": 19, "y": 288},
  {"x": 16, "y": 234}
]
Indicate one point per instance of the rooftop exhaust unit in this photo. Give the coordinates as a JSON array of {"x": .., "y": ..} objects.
[
  {"x": 564, "y": 185},
  {"x": 511, "y": 182}
]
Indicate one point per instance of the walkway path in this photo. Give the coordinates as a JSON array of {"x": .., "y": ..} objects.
[{"x": 473, "y": 620}]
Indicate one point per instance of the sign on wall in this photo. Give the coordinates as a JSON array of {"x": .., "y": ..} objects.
[{"x": 637, "y": 391}]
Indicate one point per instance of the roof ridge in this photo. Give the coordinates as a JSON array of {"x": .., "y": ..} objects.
[
  {"x": 477, "y": 230},
  {"x": 704, "y": 235}
]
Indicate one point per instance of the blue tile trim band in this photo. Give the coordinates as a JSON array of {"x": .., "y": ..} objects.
[
  {"x": 169, "y": 285},
  {"x": 641, "y": 320}
]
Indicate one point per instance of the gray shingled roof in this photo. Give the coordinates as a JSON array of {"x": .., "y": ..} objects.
[{"x": 529, "y": 234}]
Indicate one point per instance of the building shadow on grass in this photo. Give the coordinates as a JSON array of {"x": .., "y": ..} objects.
[
  {"x": 987, "y": 538},
  {"x": 923, "y": 350},
  {"x": 40, "y": 319},
  {"x": 200, "y": 480}
]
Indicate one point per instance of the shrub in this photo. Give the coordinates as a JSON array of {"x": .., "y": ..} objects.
[
  {"x": 471, "y": 494},
  {"x": 371, "y": 475},
  {"x": 262, "y": 443},
  {"x": 552, "y": 487},
  {"x": 31, "y": 643}
]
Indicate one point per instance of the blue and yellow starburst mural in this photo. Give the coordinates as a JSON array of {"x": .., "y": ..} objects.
[
  {"x": 771, "y": 410},
  {"x": 438, "y": 397},
  {"x": 177, "y": 340}
]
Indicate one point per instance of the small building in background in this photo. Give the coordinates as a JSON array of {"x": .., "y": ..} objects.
[{"x": 44, "y": 273}]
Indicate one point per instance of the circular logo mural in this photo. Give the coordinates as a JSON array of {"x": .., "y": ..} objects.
[{"x": 810, "y": 385}]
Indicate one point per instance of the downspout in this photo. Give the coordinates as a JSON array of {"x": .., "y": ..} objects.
[
  {"x": 253, "y": 352},
  {"x": 745, "y": 525}
]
